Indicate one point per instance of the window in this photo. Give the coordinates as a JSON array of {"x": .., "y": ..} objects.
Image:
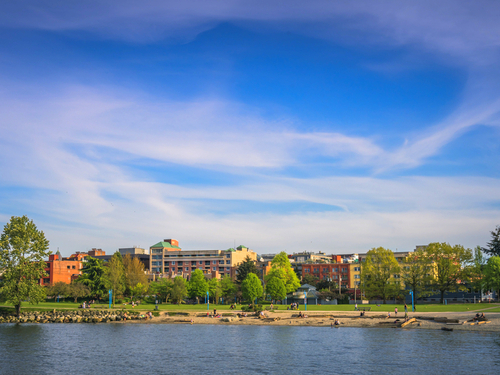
[
  {"x": 335, "y": 269},
  {"x": 307, "y": 270},
  {"x": 193, "y": 263},
  {"x": 173, "y": 263},
  {"x": 193, "y": 268},
  {"x": 221, "y": 269},
  {"x": 207, "y": 263},
  {"x": 166, "y": 269},
  {"x": 357, "y": 276},
  {"x": 201, "y": 262},
  {"x": 335, "y": 277},
  {"x": 69, "y": 267},
  {"x": 228, "y": 269},
  {"x": 221, "y": 262},
  {"x": 228, "y": 255},
  {"x": 357, "y": 268},
  {"x": 214, "y": 262},
  {"x": 173, "y": 269},
  {"x": 214, "y": 268},
  {"x": 179, "y": 263},
  {"x": 187, "y": 268},
  {"x": 228, "y": 262},
  {"x": 74, "y": 267},
  {"x": 167, "y": 263},
  {"x": 344, "y": 269}
]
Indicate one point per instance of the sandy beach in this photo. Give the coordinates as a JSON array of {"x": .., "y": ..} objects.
[{"x": 456, "y": 320}]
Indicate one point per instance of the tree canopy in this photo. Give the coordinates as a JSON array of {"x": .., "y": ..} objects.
[
  {"x": 377, "y": 274},
  {"x": 450, "y": 266},
  {"x": 179, "y": 290},
  {"x": 23, "y": 250},
  {"x": 492, "y": 274},
  {"x": 282, "y": 268},
  {"x": 94, "y": 276},
  {"x": 197, "y": 286},
  {"x": 251, "y": 288},
  {"x": 416, "y": 273},
  {"x": 115, "y": 275},
  {"x": 162, "y": 288},
  {"x": 134, "y": 272},
  {"x": 276, "y": 288}
]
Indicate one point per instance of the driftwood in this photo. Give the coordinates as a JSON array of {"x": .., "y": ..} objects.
[
  {"x": 446, "y": 329},
  {"x": 412, "y": 320}
]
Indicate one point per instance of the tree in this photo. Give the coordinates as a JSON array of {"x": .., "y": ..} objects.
[
  {"x": 139, "y": 290},
  {"x": 134, "y": 272},
  {"x": 251, "y": 287},
  {"x": 492, "y": 274},
  {"x": 228, "y": 288},
  {"x": 115, "y": 275},
  {"x": 246, "y": 267},
  {"x": 58, "y": 289},
  {"x": 416, "y": 273},
  {"x": 276, "y": 288},
  {"x": 93, "y": 276},
  {"x": 477, "y": 269},
  {"x": 310, "y": 279},
  {"x": 23, "y": 249},
  {"x": 214, "y": 289},
  {"x": 281, "y": 267},
  {"x": 377, "y": 274},
  {"x": 451, "y": 266},
  {"x": 198, "y": 286},
  {"x": 494, "y": 245},
  {"x": 162, "y": 288},
  {"x": 78, "y": 290},
  {"x": 179, "y": 290}
]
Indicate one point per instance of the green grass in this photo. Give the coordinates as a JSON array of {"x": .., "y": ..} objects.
[{"x": 281, "y": 308}]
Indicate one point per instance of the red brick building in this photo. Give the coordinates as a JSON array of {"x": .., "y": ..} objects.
[{"x": 333, "y": 271}]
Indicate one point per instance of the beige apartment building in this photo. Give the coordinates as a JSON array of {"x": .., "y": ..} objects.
[{"x": 167, "y": 259}]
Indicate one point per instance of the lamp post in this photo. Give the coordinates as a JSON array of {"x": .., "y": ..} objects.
[
  {"x": 412, "y": 302},
  {"x": 305, "y": 300},
  {"x": 110, "y": 297},
  {"x": 208, "y": 302}
]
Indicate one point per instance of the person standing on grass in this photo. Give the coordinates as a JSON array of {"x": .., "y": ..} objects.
[{"x": 396, "y": 311}]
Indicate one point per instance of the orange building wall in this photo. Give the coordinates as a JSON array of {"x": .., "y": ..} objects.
[{"x": 61, "y": 270}]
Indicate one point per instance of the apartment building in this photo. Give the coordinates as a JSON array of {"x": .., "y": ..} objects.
[
  {"x": 169, "y": 260},
  {"x": 348, "y": 275}
]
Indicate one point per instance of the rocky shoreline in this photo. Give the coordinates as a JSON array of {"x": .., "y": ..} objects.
[{"x": 71, "y": 316}]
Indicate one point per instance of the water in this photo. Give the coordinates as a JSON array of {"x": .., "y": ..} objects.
[{"x": 216, "y": 349}]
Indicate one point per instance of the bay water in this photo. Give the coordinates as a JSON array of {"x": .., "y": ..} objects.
[{"x": 217, "y": 349}]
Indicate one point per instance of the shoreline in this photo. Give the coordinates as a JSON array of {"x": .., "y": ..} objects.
[{"x": 326, "y": 319}]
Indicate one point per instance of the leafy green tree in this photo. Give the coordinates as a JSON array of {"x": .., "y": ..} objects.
[
  {"x": 251, "y": 287},
  {"x": 416, "y": 273},
  {"x": 139, "y": 290},
  {"x": 179, "y": 290},
  {"x": 377, "y": 274},
  {"x": 214, "y": 289},
  {"x": 477, "y": 269},
  {"x": 281, "y": 267},
  {"x": 228, "y": 288},
  {"x": 246, "y": 267},
  {"x": 276, "y": 288},
  {"x": 493, "y": 247},
  {"x": 115, "y": 275},
  {"x": 451, "y": 265},
  {"x": 197, "y": 286},
  {"x": 310, "y": 279},
  {"x": 94, "y": 277},
  {"x": 78, "y": 290},
  {"x": 23, "y": 249},
  {"x": 60, "y": 289},
  {"x": 492, "y": 274},
  {"x": 162, "y": 288}
]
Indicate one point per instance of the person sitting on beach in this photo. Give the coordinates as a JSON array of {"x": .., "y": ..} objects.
[
  {"x": 300, "y": 314},
  {"x": 337, "y": 322},
  {"x": 388, "y": 315},
  {"x": 150, "y": 315}
]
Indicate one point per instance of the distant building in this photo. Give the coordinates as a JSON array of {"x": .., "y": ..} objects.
[
  {"x": 348, "y": 275},
  {"x": 167, "y": 259},
  {"x": 60, "y": 269},
  {"x": 132, "y": 250}
]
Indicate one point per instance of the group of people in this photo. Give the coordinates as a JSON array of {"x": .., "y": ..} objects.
[
  {"x": 479, "y": 317},
  {"x": 293, "y": 306},
  {"x": 302, "y": 315},
  {"x": 86, "y": 305}
]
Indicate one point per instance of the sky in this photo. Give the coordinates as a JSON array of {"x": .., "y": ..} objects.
[{"x": 334, "y": 126}]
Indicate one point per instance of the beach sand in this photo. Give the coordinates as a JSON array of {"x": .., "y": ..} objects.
[{"x": 326, "y": 319}]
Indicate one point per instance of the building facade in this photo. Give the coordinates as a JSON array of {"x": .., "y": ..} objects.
[
  {"x": 167, "y": 259},
  {"x": 348, "y": 275},
  {"x": 60, "y": 269}
]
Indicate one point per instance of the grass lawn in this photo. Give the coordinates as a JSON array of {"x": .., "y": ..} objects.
[{"x": 281, "y": 308}]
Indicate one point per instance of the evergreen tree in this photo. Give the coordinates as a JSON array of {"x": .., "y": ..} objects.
[
  {"x": 23, "y": 250},
  {"x": 494, "y": 245},
  {"x": 94, "y": 277},
  {"x": 246, "y": 267}
]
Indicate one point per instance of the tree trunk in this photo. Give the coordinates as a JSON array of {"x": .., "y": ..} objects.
[
  {"x": 442, "y": 296},
  {"x": 18, "y": 310}
]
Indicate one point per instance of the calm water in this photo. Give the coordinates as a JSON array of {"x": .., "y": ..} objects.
[{"x": 207, "y": 349}]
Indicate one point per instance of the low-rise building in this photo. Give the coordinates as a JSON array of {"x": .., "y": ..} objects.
[
  {"x": 60, "y": 269},
  {"x": 169, "y": 260},
  {"x": 348, "y": 275}
]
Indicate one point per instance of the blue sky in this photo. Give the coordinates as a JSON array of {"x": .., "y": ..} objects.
[{"x": 326, "y": 126}]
